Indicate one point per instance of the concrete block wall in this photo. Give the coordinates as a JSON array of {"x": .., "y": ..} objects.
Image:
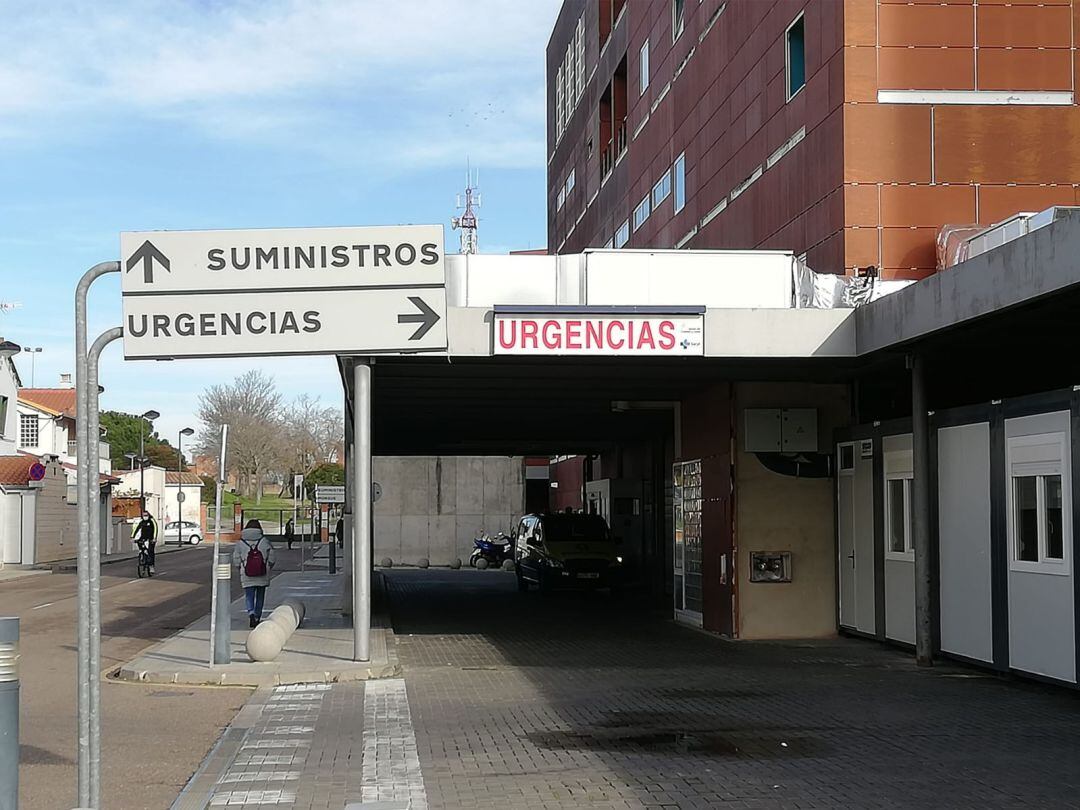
[{"x": 433, "y": 506}]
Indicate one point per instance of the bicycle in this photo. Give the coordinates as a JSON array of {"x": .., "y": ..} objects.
[{"x": 143, "y": 565}]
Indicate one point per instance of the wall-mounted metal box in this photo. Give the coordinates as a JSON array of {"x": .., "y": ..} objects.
[
  {"x": 770, "y": 566},
  {"x": 780, "y": 430}
]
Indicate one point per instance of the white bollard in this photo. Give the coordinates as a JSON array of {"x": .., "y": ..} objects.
[{"x": 266, "y": 641}]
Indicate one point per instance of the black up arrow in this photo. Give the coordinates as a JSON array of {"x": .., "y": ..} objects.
[
  {"x": 426, "y": 317},
  {"x": 147, "y": 254}
]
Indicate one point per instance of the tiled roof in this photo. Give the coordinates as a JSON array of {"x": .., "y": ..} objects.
[
  {"x": 56, "y": 400},
  {"x": 15, "y": 470},
  {"x": 172, "y": 478}
]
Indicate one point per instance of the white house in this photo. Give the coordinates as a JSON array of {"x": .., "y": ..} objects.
[
  {"x": 46, "y": 425},
  {"x": 161, "y": 488}
]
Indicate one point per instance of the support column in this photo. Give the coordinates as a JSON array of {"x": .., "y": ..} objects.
[
  {"x": 920, "y": 511},
  {"x": 349, "y": 542},
  {"x": 361, "y": 468}
]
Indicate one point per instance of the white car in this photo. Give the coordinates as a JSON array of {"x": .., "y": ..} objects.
[{"x": 184, "y": 532}]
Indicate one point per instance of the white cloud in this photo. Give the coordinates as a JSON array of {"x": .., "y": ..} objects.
[{"x": 414, "y": 82}]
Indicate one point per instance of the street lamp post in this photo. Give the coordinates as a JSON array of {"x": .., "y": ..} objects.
[
  {"x": 180, "y": 483},
  {"x": 33, "y": 351},
  {"x": 148, "y": 416}
]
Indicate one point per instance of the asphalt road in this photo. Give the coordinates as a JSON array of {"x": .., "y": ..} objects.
[{"x": 153, "y": 737}]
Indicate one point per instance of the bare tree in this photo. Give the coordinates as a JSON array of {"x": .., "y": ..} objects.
[
  {"x": 251, "y": 407},
  {"x": 312, "y": 433}
]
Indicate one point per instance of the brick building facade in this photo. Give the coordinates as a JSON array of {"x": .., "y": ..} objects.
[{"x": 848, "y": 130}]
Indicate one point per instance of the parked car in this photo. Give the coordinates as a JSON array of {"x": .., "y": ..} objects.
[
  {"x": 182, "y": 532},
  {"x": 565, "y": 551}
]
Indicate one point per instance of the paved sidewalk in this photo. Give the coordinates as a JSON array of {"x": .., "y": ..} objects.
[
  {"x": 320, "y": 651},
  {"x": 315, "y": 746}
]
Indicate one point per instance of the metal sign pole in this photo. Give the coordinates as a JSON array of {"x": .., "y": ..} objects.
[
  {"x": 362, "y": 510},
  {"x": 220, "y": 649},
  {"x": 9, "y": 713},
  {"x": 83, "y": 489},
  {"x": 93, "y": 429}
]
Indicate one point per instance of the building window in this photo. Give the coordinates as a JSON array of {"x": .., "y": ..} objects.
[
  {"x": 622, "y": 236},
  {"x": 641, "y": 213},
  {"x": 571, "y": 179},
  {"x": 679, "y": 182},
  {"x": 678, "y": 18},
  {"x": 795, "y": 41},
  {"x": 1039, "y": 524},
  {"x": 643, "y": 68},
  {"x": 560, "y": 199},
  {"x": 662, "y": 189},
  {"x": 28, "y": 430},
  {"x": 3, "y": 415},
  {"x": 898, "y": 518}
]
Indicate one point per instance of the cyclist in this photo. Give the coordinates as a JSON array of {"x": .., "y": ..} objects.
[{"x": 145, "y": 535}]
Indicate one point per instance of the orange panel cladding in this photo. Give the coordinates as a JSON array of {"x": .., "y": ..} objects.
[
  {"x": 1025, "y": 69},
  {"x": 886, "y": 143},
  {"x": 926, "y": 25},
  {"x": 1024, "y": 26},
  {"x": 926, "y": 68},
  {"x": 928, "y": 206}
]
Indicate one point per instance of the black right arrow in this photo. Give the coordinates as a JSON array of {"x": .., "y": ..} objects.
[
  {"x": 427, "y": 317},
  {"x": 147, "y": 254}
]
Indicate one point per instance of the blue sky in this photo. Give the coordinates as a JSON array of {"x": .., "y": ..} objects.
[{"x": 266, "y": 113}]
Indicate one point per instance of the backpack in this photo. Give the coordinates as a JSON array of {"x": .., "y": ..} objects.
[{"x": 255, "y": 563}]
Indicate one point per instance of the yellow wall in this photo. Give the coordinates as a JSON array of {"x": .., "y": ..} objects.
[{"x": 781, "y": 513}]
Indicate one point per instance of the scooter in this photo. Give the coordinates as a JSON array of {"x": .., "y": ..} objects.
[{"x": 491, "y": 551}]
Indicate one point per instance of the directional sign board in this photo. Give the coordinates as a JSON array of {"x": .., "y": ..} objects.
[
  {"x": 284, "y": 291},
  {"x": 329, "y": 494}
]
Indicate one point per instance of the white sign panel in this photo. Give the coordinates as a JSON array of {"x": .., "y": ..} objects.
[
  {"x": 284, "y": 291},
  {"x": 329, "y": 494},
  {"x": 591, "y": 334}
]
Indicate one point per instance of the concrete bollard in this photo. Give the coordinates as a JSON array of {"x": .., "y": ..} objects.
[
  {"x": 266, "y": 641},
  {"x": 9, "y": 714}
]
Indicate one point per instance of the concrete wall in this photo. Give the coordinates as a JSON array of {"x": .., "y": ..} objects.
[
  {"x": 782, "y": 513},
  {"x": 56, "y": 529},
  {"x": 433, "y": 506}
]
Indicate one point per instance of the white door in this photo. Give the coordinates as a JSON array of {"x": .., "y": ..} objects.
[{"x": 846, "y": 528}]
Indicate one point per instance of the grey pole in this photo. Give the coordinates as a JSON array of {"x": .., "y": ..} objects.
[
  {"x": 362, "y": 510},
  {"x": 83, "y": 467},
  {"x": 920, "y": 517},
  {"x": 220, "y": 596},
  {"x": 347, "y": 546},
  {"x": 9, "y": 714},
  {"x": 94, "y": 671}
]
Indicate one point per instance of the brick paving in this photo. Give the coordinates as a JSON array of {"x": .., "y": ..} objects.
[
  {"x": 583, "y": 701},
  {"x": 578, "y": 700}
]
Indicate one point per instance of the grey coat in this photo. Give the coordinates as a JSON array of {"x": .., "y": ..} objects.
[{"x": 250, "y": 539}]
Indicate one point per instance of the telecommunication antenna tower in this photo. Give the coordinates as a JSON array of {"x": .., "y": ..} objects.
[
  {"x": 467, "y": 222},
  {"x": 8, "y": 306}
]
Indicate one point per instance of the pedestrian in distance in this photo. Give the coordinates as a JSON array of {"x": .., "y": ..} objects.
[
  {"x": 290, "y": 533},
  {"x": 254, "y": 555},
  {"x": 145, "y": 534},
  {"x": 339, "y": 532}
]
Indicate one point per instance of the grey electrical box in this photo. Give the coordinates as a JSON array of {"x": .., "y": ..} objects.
[
  {"x": 798, "y": 430},
  {"x": 762, "y": 430},
  {"x": 780, "y": 430}
]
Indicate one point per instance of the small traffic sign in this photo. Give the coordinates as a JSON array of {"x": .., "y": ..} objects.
[
  {"x": 329, "y": 494},
  {"x": 37, "y": 471}
]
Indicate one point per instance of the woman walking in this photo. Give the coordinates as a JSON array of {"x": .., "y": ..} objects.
[{"x": 254, "y": 555}]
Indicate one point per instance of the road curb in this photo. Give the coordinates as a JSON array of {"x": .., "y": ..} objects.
[
  {"x": 62, "y": 566},
  {"x": 256, "y": 679}
]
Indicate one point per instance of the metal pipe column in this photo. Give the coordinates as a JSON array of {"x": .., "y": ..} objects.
[
  {"x": 83, "y": 467},
  {"x": 9, "y": 714},
  {"x": 920, "y": 511},
  {"x": 93, "y": 428},
  {"x": 361, "y": 590},
  {"x": 350, "y": 523}
]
